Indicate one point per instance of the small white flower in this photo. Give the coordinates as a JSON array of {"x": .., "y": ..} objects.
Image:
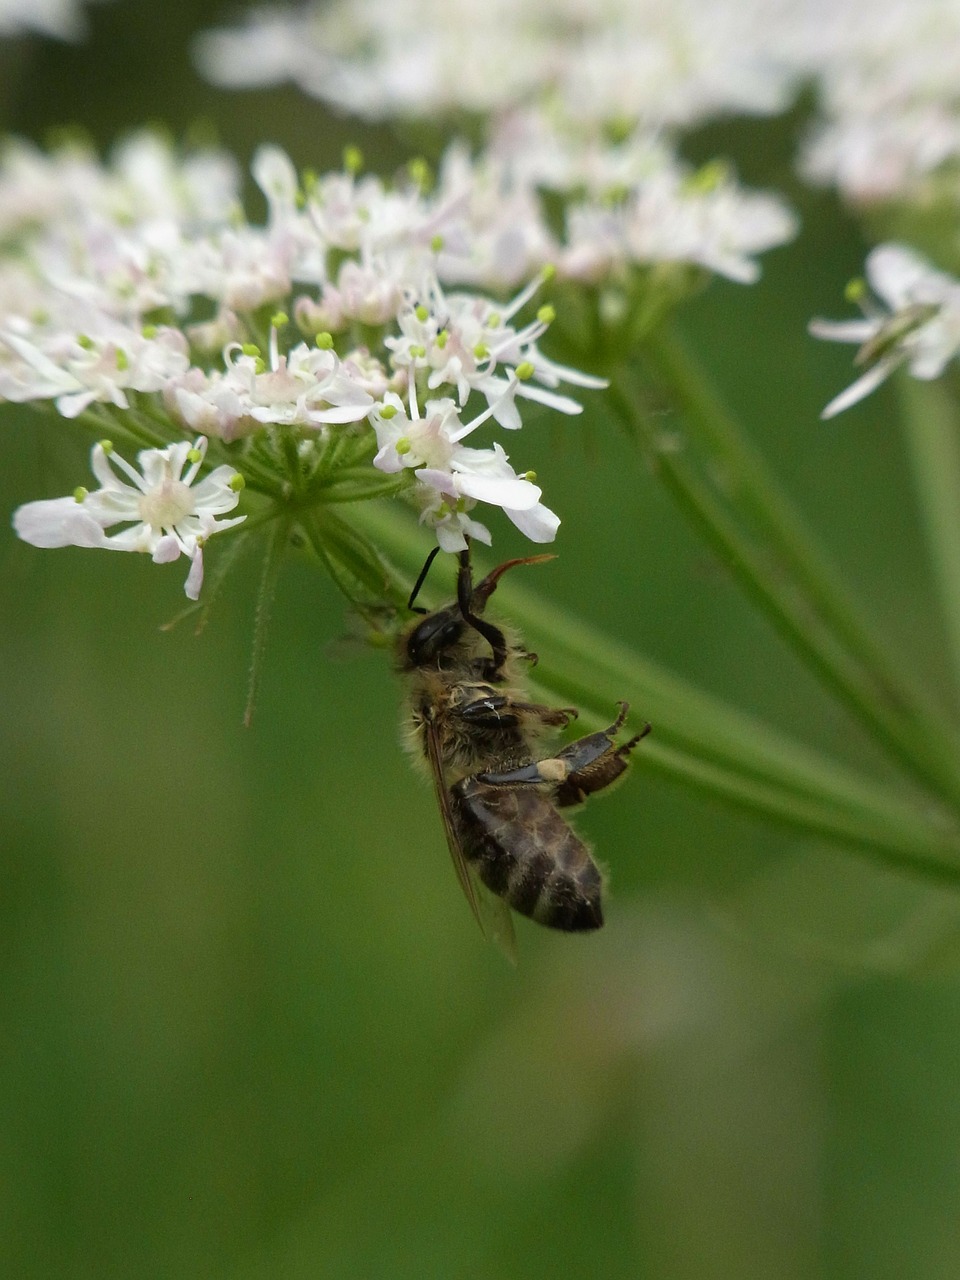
[
  {"x": 917, "y": 325},
  {"x": 78, "y": 369},
  {"x": 453, "y": 477},
  {"x": 166, "y": 513}
]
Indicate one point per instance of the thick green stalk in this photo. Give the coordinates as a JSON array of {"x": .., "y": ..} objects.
[
  {"x": 756, "y": 530},
  {"x": 932, "y": 432},
  {"x": 697, "y": 738}
]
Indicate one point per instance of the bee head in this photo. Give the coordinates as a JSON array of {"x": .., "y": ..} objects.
[
  {"x": 441, "y": 632},
  {"x": 433, "y": 636}
]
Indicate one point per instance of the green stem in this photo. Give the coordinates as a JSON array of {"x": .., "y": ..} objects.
[
  {"x": 756, "y": 530},
  {"x": 932, "y": 434},
  {"x": 272, "y": 563},
  {"x": 697, "y": 738}
]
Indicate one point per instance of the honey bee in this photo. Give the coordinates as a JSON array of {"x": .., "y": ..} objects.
[{"x": 500, "y": 794}]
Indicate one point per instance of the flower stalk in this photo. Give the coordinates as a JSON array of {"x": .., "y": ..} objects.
[
  {"x": 757, "y": 532},
  {"x": 931, "y": 430}
]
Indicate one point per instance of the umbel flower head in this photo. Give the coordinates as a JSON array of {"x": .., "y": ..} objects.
[{"x": 369, "y": 339}]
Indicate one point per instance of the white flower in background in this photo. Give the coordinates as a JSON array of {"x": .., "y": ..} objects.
[
  {"x": 166, "y": 513},
  {"x": 886, "y": 75},
  {"x": 98, "y": 364},
  {"x": 889, "y": 107},
  {"x": 916, "y": 322},
  {"x": 62, "y": 18},
  {"x": 608, "y": 60},
  {"x": 710, "y": 222}
]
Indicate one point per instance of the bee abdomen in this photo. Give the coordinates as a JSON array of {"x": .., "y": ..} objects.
[{"x": 525, "y": 852}]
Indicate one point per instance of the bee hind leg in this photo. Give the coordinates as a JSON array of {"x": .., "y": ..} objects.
[
  {"x": 578, "y": 770},
  {"x": 595, "y": 761}
]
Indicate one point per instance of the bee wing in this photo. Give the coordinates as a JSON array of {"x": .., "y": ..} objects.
[{"x": 491, "y": 913}]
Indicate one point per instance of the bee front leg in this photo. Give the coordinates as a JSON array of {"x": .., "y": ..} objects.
[{"x": 495, "y": 710}]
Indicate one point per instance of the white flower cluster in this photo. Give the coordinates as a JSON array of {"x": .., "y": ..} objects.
[
  {"x": 890, "y": 102},
  {"x": 140, "y": 291},
  {"x": 911, "y": 316},
  {"x": 600, "y": 60},
  {"x": 887, "y": 73}
]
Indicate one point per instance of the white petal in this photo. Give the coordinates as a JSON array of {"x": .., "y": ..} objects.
[
  {"x": 539, "y": 523},
  {"x": 858, "y": 331},
  {"x": 195, "y": 577},
  {"x": 518, "y": 494},
  {"x": 894, "y": 272},
  {"x": 562, "y": 404},
  {"x": 450, "y": 539},
  {"x": 57, "y": 522},
  {"x": 861, "y": 388},
  {"x": 168, "y": 548}
]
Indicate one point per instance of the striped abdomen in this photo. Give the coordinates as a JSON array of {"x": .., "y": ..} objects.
[{"x": 525, "y": 852}]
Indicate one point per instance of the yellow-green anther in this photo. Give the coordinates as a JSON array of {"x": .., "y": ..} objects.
[
  {"x": 417, "y": 351},
  {"x": 352, "y": 159},
  {"x": 493, "y": 319},
  {"x": 547, "y": 314},
  {"x": 548, "y": 272},
  {"x": 236, "y": 482},
  {"x": 481, "y": 351},
  {"x": 615, "y": 194},
  {"x": 388, "y": 411},
  {"x": 529, "y": 475},
  {"x": 279, "y": 319},
  {"x": 194, "y": 455},
  {"x": 420, "y": 172},
  {"x": 80, "y": 493},
  {"x": 84, "y": 340},
  {"x": 855, "y": 290},
  {"x": 106, "y": 446},
  {"x": 421, "y": 313},
  {"x": 403, "y": 446},
  {"x": 250, "y": 349},
  {"x": 123, "y": 360},
  {"x": 149, "y": 331},
  {"x": 525, "y": 370},
  {"x": 260, "y": 365},
  {"x": 436, "y": 244},
  {"x": 442, "y": 338},
  {"x": 324, "y": 341},
  {"x": 708, "y": 177}
]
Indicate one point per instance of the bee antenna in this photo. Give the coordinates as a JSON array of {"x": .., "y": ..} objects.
[
  {"x": 485, "y": 589},
  {"x": 420, "y": 581}
]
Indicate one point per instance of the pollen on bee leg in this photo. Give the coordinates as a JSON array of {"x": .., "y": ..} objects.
[{"x": 553, "y": 770}]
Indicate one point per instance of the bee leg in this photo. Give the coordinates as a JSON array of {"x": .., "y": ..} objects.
[
  {"x": 595, "y": 761},
  {"x": 495, "y": 710},
  {"x": 491, "y": 712},
  {"x": 587, "y": 765},
  {"x": 558, "y": 717}
]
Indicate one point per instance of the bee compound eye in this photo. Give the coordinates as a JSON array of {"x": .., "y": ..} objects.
[{"x": 438, "y": 631}]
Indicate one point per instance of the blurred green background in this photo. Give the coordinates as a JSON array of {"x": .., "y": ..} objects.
[{"x": 249, "y": 1029}]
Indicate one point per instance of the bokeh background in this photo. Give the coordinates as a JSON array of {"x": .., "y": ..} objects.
[{"x": 248, "y": 1029}]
